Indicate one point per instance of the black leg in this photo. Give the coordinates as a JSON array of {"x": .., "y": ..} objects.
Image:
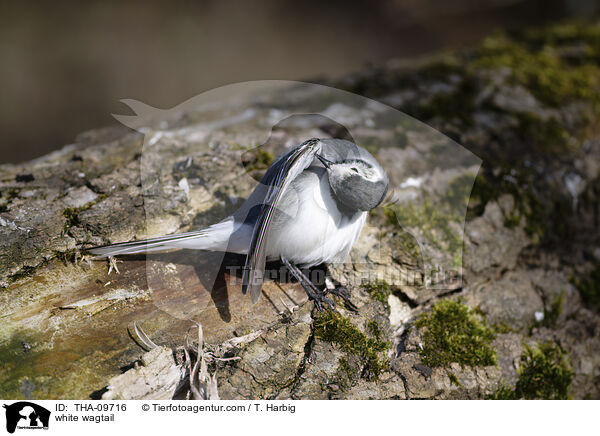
[
  {"x": 311, "y": 290},
  {"x": 342, "y": 292}
]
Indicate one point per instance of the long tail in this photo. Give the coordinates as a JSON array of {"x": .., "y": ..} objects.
[{"x": 216, "y": 237}]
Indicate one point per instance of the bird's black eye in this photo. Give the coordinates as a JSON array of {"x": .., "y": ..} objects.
[{"x": 354, "y": 169}]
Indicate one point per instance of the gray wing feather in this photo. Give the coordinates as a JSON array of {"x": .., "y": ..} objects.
[{"x": 277, "y": 179}]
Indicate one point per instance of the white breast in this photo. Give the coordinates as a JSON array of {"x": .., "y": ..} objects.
[{"x": 309, "y": 229}]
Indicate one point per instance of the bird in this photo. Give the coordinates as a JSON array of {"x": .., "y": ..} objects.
[{"x": 308, "y": 209}]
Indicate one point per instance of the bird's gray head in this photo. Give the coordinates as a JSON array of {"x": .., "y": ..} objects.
[{"x": 356, "y": 178}]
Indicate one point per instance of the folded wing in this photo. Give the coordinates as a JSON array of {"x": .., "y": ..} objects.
[{"x": 277, "y": 181}]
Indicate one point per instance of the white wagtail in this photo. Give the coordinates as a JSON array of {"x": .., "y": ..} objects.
[{"x": 308, "y": 209}]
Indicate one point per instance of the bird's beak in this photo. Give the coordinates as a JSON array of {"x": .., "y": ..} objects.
[{"x": 325, "y": 162}]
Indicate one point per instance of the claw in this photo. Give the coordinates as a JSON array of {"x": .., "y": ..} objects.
[
  {"x": 319, "y": 297},
  {"x": 343, "y": 293},
  {"x": 336, "y": 288}
]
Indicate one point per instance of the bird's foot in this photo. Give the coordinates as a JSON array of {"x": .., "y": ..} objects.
[
  {"x": 334, "y": 287},
  {"x": 344, "y": 294},
  {"x": 319, "y": 297}
]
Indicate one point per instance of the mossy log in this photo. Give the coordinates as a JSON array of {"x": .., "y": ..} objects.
[{"x": 527, "y": 104}]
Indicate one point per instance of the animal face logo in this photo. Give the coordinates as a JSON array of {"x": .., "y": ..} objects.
[{"x": 26, "y": 415}]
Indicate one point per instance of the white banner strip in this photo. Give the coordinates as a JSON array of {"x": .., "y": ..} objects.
[{"x": 298, "y": 417}]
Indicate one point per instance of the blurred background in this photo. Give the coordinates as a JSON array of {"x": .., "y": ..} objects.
[{"x": 65, "y": 65}]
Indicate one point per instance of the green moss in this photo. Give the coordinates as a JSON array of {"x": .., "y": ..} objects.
[
  {"x": 540, "y": 61},
  {"x": 67, "y": 256},
  {"x": 545, "y": 373},
  {"x": 379, "y": 290},
  {"x": 512, "y": 219},
  {"x": 434, "y": 221},
  {"x": 483, "y": 192},
  {"x": 490, "y": 187},
  {"x": 453, "y": 333},
  {"x": 459, "y": 191},
  {"x": 453, "y": 379},
  {"x": 567, "y": 33},
  {"x": 20, "y": 364},
  {"x": 458, "y": 104},
  {"x": 333, "y": 327},
  {"x": 551, "y": 314},
  {"x": 536, "y": 220},
  {"x": 553, "y": 63},
  {"x": 264, "y": 158},
  {"x": 374, "y": 329},
  {"x": 502, "y": 327},
  {"x": 30, "y": 367},
  {"x": 556, "y": 308},
  {"x": 542, "y": 69},
  {"x": 503, "y": 392},
  {"x": 547, "y": 134},
  {"x": 257, "y": 159},
  {"x": 72, "y": 213},
  {"x": 589, "y": 288},
  {"x": 345, "y": 374},
  {"x": 72, "y": 216},
  {"x": 406, "y": 243},
  {"x": 557, "y": 64},
  {"x": 10, "y": 194}
]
